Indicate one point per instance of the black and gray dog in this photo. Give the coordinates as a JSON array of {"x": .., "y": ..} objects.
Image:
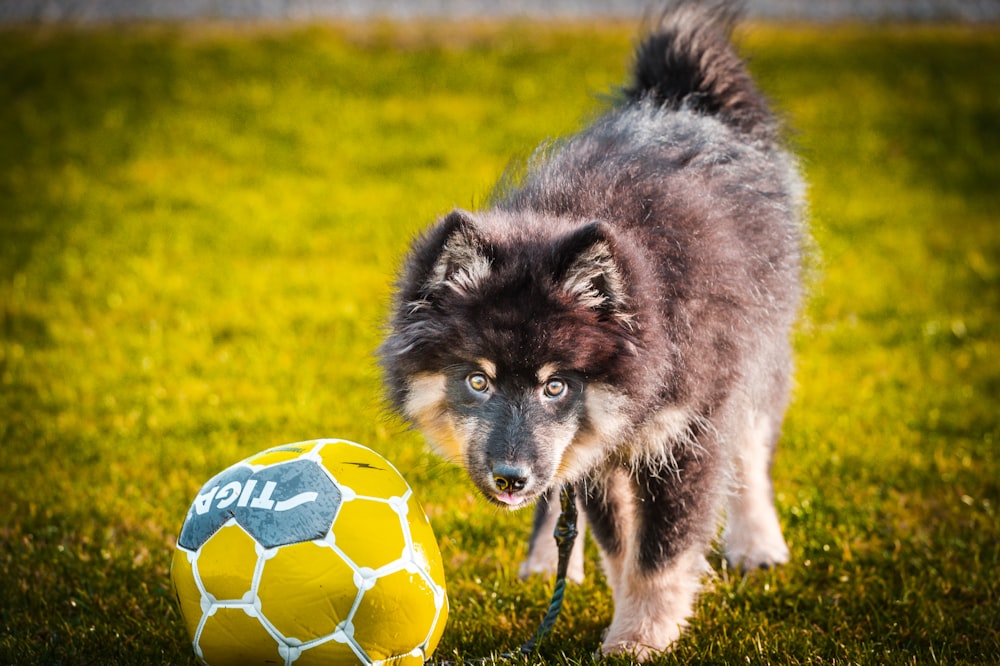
[{"x": 619, "y": 318}]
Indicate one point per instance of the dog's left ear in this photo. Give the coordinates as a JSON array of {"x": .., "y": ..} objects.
[{"x": 587, "y": 270}]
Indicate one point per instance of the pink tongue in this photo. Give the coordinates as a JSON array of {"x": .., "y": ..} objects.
[{"x": 508, "y": 498}]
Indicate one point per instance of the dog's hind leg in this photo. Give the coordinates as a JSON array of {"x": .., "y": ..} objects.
[
  {"x": 543, "y": 556},
  {"x": 752, "y": 538}
]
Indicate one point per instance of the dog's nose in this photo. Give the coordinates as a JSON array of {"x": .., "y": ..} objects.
[{"x": 509, "y": 479}]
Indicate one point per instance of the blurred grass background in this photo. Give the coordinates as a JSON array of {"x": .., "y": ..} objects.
[{"x": 199, "y": 226}]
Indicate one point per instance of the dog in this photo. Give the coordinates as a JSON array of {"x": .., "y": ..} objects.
[{"x": 618, "y": 317}]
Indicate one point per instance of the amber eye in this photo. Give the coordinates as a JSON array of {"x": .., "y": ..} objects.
[
  {"x": 555, "y": 388},
  {"x": 478, "y": 382}
]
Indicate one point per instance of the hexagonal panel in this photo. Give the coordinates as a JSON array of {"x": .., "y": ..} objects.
[
  {"x": 233, "y": 637},
  {"x": 362, "y": 470},
  {"x": 306, "y": 590},
  {"x": 226, "y": 564},
  {"x": 395, "y": 616},
  {"x": 370, "y": 533},
  {"x": 188, "y": 594}
]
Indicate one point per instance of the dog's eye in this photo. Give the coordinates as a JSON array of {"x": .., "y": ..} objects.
[
  {"x": 478, "y": 382},
  {"x": 554, "y": 388}
]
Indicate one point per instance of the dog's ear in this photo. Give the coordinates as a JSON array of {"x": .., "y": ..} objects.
[
  {"x": 587, "y": 270},
  {"x": 464, "y": 259}
]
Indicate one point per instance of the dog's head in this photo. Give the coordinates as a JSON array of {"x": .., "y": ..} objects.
[{"x": 505, "y": 345}]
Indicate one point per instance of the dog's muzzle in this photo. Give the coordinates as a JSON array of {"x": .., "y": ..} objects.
[{"x": 509, "y": 481}]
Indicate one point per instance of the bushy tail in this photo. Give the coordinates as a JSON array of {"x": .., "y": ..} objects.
[{"x": 687, "y": 61}]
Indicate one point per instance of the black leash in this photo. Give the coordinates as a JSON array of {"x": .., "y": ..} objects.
[{"x": 565, "y": 535}]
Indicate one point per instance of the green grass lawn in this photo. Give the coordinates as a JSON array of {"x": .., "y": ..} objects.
[{"x": 198, "y": 229}]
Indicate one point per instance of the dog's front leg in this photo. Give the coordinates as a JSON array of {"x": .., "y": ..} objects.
[
  {"x": 655, "y": 525},
  {"x": 652, "y": 607}
]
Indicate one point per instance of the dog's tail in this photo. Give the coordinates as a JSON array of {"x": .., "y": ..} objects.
[{"x": 688, "y": 62}]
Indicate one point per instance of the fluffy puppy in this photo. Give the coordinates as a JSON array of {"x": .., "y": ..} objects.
[{"x": 618, "y": 318}]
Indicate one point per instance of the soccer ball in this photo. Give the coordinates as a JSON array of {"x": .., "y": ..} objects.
[{"x": 310, "y": 553}]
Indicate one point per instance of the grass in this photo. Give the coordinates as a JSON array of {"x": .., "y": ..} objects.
[{"x": 199, "y": 226}]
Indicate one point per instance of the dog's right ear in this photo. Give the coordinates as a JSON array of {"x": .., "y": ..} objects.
[
  {"x": 589, "y": 271},
  {"x": 463, "y": 259}
]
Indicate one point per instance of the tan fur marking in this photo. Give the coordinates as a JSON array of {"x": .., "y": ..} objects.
[
  {"x": 546, "y": 371},
  {"x": 667, "y": 430},
  {"x": 426, "y": 407},
  {"x": 606, "y": 410},
  {"x": 608, "y": 420},
  {"x": 488, "y": 366}
]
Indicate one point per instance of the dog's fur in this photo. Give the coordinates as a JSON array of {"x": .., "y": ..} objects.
[{"x": 619, "y": 318}]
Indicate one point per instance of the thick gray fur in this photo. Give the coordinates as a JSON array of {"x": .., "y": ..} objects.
[{"x": 649, "y": 267}]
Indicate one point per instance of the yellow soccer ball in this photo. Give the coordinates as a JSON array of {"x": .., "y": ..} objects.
[{"x": 310, "y": 553}]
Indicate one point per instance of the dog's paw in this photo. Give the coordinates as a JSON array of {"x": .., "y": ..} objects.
[
  {"x": 758, "y": 553},
  {"x": 754, "y": 541},
  {"x": 641, "y": 645},
  {"x": 536, "y": 566}
]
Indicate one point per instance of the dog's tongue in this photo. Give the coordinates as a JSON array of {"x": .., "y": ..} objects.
[{"x": 510, "y": 499}]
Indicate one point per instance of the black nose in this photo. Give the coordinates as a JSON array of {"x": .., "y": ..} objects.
[{"x": 509, "y": 479}]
